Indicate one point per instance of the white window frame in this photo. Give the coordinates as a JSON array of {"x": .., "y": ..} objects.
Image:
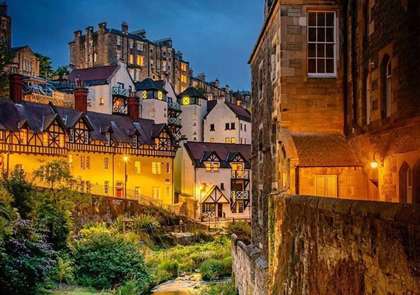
[{"x": 321, "y": 75}]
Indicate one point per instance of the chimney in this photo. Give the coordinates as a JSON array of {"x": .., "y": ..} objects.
[
  {"x": 80, "y": 99},
  {"x": 133, "y": 107},
  {"x": 16, "y": 87},
  {"x": 124, "y": 27},
  {"x": 102, "y": 27}
]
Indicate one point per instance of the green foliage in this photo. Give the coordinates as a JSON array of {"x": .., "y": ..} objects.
[
  {"x": 21, "y": 191},
  {"x": 54, "y": 172},
  {"x": 26, "y": 260},
  {"x": 45, "y": 66},
  {"x": 54, "y": 221},
  {"x": 227, "y": 288},
  {"x": 213, "y": 269},
  {"x": 146, "y": 223},
  {"x": 166, "y": 270},
  {"x": 7, "y": 213},
  {"x": 64, "y": 270},
  {"x": 104, "y": 259},
  {"x": 241, "y": 229},
  {"x": 6, "y": 58},
  {"x": 61, "y": 72}
]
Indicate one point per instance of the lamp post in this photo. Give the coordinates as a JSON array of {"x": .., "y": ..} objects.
[{"x": 125, "y": 158}]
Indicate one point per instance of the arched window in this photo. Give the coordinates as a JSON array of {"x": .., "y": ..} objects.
[
  {"x": 416, "y": 183},
  {"x": 386, "y": 95},
  {"x": 404, "y": 182}
]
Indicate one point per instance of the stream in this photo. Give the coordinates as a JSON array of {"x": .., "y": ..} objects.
[{"x": 184, "y": 285}]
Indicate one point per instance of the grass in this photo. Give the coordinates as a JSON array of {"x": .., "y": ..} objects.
[{"x": 69, "y": 290}]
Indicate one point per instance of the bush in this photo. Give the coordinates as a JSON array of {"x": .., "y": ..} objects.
[
  {"x": 105, "y": 259},
  {"x": 26, "y": 260},
  {"x": 64, "y": 271},
  {"x": 22, "y": 193},
  {"x": 219, "y": 289},
  {"x": 167, "y": 270},
  {"x": 213, "y": 269},
  {"x": 147, "y": 223},
  {"x": 241, "y": 229}
]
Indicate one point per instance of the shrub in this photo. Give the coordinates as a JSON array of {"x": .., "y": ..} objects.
[
  {"x": 105, "y": 259},
  {"x": 213, "y": 269},
  {"x": 241, "y": 229},
  {"x": 167, "y": 270},
  {"x": 227, "y": 288},
  {"x": 26, "y": 260},
  {"x": 64, "y": 271},
  {"x": 21, "y": 191},
  {"x": 147, "y": 223}
]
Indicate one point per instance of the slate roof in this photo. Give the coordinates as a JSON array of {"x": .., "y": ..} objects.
[
  {"x": 38, "y": 117},
  {"x": 192, "y": 92},
  {"x": 199, "y": 151},
  {"x": 240, "y": 112},
  {"x": 149, "y": 84},
  {"x": 93, "y": 76},
  {"x": 324, "y": 150}
]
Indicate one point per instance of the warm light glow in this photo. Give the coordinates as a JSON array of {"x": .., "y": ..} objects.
[
  {"x": 160, "y": 95},
  {"x": 125, "y": 158},
  {"x": 374, "y": 164},
  {"x": 186, "y": 100},
  {"x": 144, "y": 94}
]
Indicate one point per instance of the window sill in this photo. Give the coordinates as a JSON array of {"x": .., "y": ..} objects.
[{"x": 322, "y": 76}]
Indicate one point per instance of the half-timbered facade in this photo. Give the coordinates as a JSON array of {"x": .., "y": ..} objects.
[
  {"x": 217, "y": 177},
  {"x": 109, "y": 154}
]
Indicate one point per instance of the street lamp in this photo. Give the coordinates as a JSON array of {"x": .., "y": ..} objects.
[{"x": 125, "y": 158}]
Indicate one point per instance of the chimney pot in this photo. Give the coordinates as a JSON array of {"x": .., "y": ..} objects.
[
  {"x": 80, "y": 99},
  {"x": 133, "y": 107},
  {"x": 16, "y": 87},
  {"x": 124, "y": 27}
]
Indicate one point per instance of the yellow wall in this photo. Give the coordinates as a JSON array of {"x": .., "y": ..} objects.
[{"x": 97, "y": 175}]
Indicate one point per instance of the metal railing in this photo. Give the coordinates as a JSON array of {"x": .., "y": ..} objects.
[{"x": 116, "y": 90}]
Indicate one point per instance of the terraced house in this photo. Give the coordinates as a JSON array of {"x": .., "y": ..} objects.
[{"x": 134, "y": 155}]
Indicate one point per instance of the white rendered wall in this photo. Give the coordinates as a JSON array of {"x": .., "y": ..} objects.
[{"x": 154, "y": 109}]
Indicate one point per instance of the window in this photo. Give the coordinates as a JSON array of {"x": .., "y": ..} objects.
[
  {"x": 186, "y": 100},
  {"x": 140, "y": 46},
  {"x": 183, "y": 67},
  {"x": 386, "y": 95},
  {"x": 227, "y": 140},
  {"x": 106, "y": 163},
  {"x": 136, "y": 192},
  {"x": 184, "y": 79},
  {"x": 212, "y": 166},
  {"x": 101, "y": 101},
  {"x": 212, "y": 127},
  {"x": 82, "y": 162},
  {"x": 131, "y": 59},
  {"x": 211, "y": 139},
  {"x": 88, "y": 186},
  {"x": 106, "y": 187},
  {"x": 232, "y": 126},
  {"x": 155, "y": 192},
  {"x": 140, "y": 60},
  {"x": 156, "y": 168},
  {"x": 326, "y": 185},
  {"x": 233, "y": 140},
  {"x": 227, "y": 126},
  {"x": 137, "y": 167},
  {"x": 321, "y": 44},
  {"x": 244, "y": 127},
  {"x": 168, "y": 168},
  {"x": 240, "y": 126},
  {"x": 87, "y": 162},
  {"x": 222, "y": 186}
]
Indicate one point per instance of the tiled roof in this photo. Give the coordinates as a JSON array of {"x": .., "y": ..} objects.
[
  {"x": 192, "y": 92},
  {"x": 210, "y": 105},
  {"x": 39, "y": 116},
  {"x": 93, "y": 76},
  {"x": 198, "y": 152},
  {"x": 323, "y": 150}
]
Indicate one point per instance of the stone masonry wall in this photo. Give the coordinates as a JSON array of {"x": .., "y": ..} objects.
[{"x": 330, "y": 246}]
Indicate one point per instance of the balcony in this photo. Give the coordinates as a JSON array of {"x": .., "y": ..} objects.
[
  {"x": 119, "y": 91},
  {"x": 239, "y": 195},
  {"x": 174, "y": 106},
  {"x": 174, "y": 121},
  {"x": 240, "y": 174}
]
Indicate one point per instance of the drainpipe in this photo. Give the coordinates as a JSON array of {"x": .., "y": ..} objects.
[
  {"x": 345, "y": 69},
  {"x": 113, "y": 175}
]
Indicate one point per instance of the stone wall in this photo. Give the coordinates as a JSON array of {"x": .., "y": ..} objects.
[
  {"x": 330, "y": 246},
  {"x": 249, "y": 268}
]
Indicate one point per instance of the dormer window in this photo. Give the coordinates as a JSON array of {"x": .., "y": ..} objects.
[
  {"x": 212, "y": 166},
  {"x": 186, "y": 100},
  {"x": 160, "y": 95},
  {"x": 144, "y": 94}
]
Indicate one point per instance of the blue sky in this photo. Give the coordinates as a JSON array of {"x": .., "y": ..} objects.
[{"x": 216, "y": 36}]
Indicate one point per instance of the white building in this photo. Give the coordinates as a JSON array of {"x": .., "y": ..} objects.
[
  {"x": 194, "y": 108},
  {"x": 109, "y": 87},
  {"x": 216, "y": 177},
  {"x": 227, "y": 122}
]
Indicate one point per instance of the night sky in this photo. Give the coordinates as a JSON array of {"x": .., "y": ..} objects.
[{"x": 216, "y": 36}]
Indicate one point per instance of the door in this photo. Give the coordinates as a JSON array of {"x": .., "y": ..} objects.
[{"x": 219, "y": 210}]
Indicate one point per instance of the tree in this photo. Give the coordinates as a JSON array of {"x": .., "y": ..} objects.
[
  {"x": 54, "y": 172},
  {"x": 45, "y": 66},
  {"x": 61, "y": 72}
]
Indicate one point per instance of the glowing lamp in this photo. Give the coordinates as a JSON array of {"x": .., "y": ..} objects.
[
  {"x": 374, "y": 164},
  {"x": 125, "y": 158}
]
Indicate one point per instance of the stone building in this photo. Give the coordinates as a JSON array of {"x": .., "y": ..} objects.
[
  {"x": 335, "y": 105},
  {"x": 144, "y": 58}
]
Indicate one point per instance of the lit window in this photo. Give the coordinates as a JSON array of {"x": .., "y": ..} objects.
[
  {"x": 183, "y": 67},
  {"x": 212, "y": 166},
  {"x": 184, "y": 79},
  {"x": 140, "y": 60},
  {"x": 321, "y": 44},
  {"x": 131, "y": 59},
  {"x": 106, "y": 187},
  {"x": 137, "y": 167},
  {"x": 101, "y": 101},
  {"x": 155, "y": 192},
  {"x": 227, "y": 140},
  {"x": 106, "y": 163},
  {"x": 156, "y": 168},
  {"x": 186, "y": 100},
  {"x": 160, "y": 95},
  {"x": 233, "y": 140},
  {"x": 144, "y": 94}
]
